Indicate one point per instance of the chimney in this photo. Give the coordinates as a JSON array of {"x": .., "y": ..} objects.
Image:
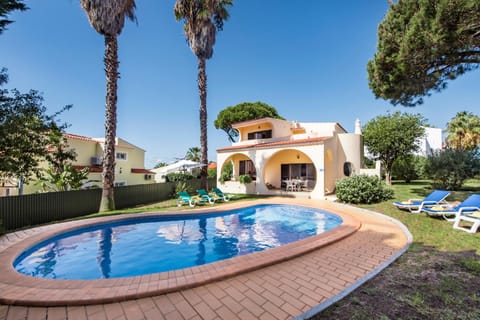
[{"x": 358, "y": 127}]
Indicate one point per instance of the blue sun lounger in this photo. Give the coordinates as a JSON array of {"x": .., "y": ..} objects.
[
  {"x": 435, "y": 198},
  {"x": 462, "y": 211}
]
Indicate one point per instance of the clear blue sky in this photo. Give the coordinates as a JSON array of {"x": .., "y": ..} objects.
[{"x": 306, "y": 58}]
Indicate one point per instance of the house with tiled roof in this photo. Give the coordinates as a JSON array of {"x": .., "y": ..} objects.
[
  {"x": 129, "y": 162},
  {"x": 290, "y": 158}
]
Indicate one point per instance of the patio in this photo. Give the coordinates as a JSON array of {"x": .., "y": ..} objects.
[{"x": 295, "y": 287}]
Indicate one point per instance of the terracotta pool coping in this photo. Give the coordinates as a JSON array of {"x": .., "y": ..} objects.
[{"x": 19, "y": 289}]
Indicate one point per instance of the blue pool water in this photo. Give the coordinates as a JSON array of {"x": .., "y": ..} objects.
[{"x": 156, "y": 244}]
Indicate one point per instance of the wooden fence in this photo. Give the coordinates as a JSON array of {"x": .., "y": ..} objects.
[{"x": 34, "y": 209}]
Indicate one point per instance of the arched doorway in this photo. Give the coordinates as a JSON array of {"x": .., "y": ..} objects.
[
  {"x": 237, "y": 165},
  {"x": 290, "y": 170}
]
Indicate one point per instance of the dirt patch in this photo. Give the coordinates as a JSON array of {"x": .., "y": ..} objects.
[{"x": 423, "y": 284}]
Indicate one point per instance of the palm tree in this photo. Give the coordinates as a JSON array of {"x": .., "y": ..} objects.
[
  {"x": 202, "y": 19},
  {"x": 107, "y": 17},
  {"x": 464, "y": 131},
  {"x": 194, "y": 154}
]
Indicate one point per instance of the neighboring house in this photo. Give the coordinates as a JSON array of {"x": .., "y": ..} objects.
[
  {"x": 277, "y": 152},
  {"x": 8, "y": 187},
  {"x": 129, "y": 162},
  {"x": 184, "y": 166},
  {"x": 431, "y": 142}
]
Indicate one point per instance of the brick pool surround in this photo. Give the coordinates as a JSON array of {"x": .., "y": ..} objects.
[{"x": 19, "y": 289}]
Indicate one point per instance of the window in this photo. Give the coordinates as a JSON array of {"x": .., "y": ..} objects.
[
  {"x": 266, "y": 134},
  {"x": 121, "y": 156},
  {"x": 347, "y": 168},
  {"x": 302, "y": 171},
  {"x": 247, "y": 167}
]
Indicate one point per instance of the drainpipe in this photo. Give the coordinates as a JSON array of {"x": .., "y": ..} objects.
[{"x": 20, "y": 186}]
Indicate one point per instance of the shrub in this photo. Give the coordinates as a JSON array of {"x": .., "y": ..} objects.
[
  {"x": 179, "y": 176},
  {"x": 212, "y": 173},
  {"x": 245, "y": 179},
  {"x": 362, "y": 189},
  {"x": 182, "y": 186},
  {"x": 368, "y": 162},
  {"x": 409, "y": 168},
  {"x": 227, "y": 172},
  {"x": 451, "y": 167}
]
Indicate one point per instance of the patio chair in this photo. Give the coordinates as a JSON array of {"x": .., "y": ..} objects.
[
  {"x": 291, "y": 185},
  {"x": 205, "y": 196},
  {"x": 435, "y": 198},
  {"x": 226, "y": 197},
  {"x": 185, "y": 198},
  {"x": 461, "y": 211}
]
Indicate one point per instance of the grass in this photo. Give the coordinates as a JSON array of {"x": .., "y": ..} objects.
[{"x": 437, "y": 278}]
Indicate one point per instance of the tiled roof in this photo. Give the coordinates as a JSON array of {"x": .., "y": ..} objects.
[
  {"x": 145, "y": 171},
  {"x": 76, "y": 136},
  {"x": 276, "y": 143},
  {"x": 91, "y": 169},
  {"x": 212, "y": 165}
]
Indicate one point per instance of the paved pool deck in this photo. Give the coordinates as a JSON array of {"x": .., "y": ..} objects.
[{"x": 292, "y": 281}]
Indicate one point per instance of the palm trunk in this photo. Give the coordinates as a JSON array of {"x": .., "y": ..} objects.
[
  {"x": 202, "y": 89},
  {"x": 108, "y": 175}
]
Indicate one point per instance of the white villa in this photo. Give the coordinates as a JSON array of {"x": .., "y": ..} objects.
[{"x": 289, "y": 157}]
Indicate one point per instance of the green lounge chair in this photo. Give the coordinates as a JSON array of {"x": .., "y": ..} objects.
[
  {"x": 219, "y": 193},
  {"x": 205, "y": 196},
  {"x": 185, "y": 198}
]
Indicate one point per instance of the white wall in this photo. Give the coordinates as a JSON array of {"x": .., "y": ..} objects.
[{"x": 431, "y": 142}]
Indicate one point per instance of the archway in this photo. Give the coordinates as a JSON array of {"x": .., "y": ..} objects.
[
  {"x": 236, "y": 165},
  {"x": 290, "y": 165}
]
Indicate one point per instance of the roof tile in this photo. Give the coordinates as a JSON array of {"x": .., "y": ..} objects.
[{"x": 276, "y": 143}]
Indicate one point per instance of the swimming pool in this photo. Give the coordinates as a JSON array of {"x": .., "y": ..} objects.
[{"x": 149, "y": 245}]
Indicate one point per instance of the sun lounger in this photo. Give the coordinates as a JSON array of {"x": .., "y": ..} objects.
[
  {"x": 461, "y": 211},
  {"x": 435, "y": 198},
  {"x": 224, "y": 196},
  {"x": 185, "y": 198},
  {"x": 471, "y": 217},
  {"x": 204, "y": 195}
]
